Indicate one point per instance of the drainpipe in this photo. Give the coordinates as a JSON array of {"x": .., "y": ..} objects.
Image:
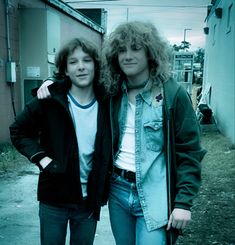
[
  {"x": 9, "y": 59},
  {"x": 8, "y": 31}
]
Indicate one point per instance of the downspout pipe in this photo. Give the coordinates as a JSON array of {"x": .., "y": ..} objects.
[
  {"x": 8, "y": 31},
  {"x": 9, "y": 58}
]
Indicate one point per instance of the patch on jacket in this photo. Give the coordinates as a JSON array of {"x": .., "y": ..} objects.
[{"x": 157, "y": 97}]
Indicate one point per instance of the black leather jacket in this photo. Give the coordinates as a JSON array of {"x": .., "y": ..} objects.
[{"x": 45, "y": 127}]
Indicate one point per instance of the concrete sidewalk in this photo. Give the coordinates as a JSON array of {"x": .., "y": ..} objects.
[{"x": 19, "y": 222}]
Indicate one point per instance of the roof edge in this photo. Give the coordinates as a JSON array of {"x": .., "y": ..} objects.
[{"x": 63, "y": 7}]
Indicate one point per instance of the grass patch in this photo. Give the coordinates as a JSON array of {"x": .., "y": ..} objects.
[
  {"x": 10, "y": 158},
  {"x": 213, "y": 216}
]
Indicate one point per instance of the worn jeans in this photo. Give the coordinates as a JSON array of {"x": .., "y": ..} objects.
[
  {"x": 126, "y": 216},
  {"x": 54, "y": 221}
]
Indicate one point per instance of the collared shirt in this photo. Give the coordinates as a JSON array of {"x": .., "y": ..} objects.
[{"x": 149, "y": 154}]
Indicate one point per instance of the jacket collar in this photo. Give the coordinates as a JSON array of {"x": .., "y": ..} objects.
[
  {"x": 148, "y": 93},
  {"x": 59, "y": 91}
]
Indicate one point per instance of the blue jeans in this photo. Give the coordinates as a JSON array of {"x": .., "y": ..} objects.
[
  {"x": 54, "y": 221},
  {"x": 126, "y": 216}
]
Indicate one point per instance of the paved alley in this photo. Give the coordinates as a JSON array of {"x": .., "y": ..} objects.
[{"x": 19, "y": 222}]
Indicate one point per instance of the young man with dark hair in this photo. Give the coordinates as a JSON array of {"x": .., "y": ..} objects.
[{"x": 68, "y": 137}]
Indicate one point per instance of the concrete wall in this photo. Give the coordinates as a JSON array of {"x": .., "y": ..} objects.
[
  {"x": 6, "y": 90},
  {"x": 219, "y": 67}
]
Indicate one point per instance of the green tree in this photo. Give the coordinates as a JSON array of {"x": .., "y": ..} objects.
[
  {"x": 184, "y": 46},
  {"x": 199, "y": 56}
]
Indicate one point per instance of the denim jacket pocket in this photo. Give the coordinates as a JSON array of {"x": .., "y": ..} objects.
[{"x": 154, "y": 135}]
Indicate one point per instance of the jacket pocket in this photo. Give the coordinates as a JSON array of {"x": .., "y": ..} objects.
[
  {"x": 154, "y": 135},
  {"x": 54, "y": 167}
]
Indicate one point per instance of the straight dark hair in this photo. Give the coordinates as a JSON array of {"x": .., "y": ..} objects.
[{"x": 66, "y": 50}]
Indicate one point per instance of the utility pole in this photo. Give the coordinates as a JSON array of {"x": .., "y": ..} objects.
[
  {"x": 127, "y": 14},
  {"x": 186, "y": 29}
]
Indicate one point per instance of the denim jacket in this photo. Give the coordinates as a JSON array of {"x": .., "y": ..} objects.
[
  {"x": 167, "y": 159},
  {"x": 149, "y": 154}
]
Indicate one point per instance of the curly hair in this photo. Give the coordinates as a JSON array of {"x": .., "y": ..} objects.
[{"x": 144, "y": 34}]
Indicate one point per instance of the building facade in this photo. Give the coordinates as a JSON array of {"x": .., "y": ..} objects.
[
  {"x": 31, "y": 34},
  {"x": 219, "y": 68}
]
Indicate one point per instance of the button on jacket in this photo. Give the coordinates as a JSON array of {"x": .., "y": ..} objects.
[{"x": 49, "y": 122}]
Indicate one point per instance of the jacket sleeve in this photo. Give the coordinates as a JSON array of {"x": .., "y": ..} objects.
[
  {"x": 188, "y": 151},
  {"x": 26, "y": 129}
]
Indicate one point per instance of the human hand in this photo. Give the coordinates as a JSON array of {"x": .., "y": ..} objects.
[
  {"x": 179, "y": 218},
  {"x": 43, "y": 91},
  {"x": 45, "y": 161}
]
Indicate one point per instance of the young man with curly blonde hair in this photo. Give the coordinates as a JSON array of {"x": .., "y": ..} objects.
[{"x": 155, "y": 135}]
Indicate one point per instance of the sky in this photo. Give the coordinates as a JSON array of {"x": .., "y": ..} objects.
[{"x": 170, "y": 17}]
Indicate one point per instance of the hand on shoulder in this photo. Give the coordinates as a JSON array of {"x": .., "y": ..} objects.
[{"x": 43, "y": 92}]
